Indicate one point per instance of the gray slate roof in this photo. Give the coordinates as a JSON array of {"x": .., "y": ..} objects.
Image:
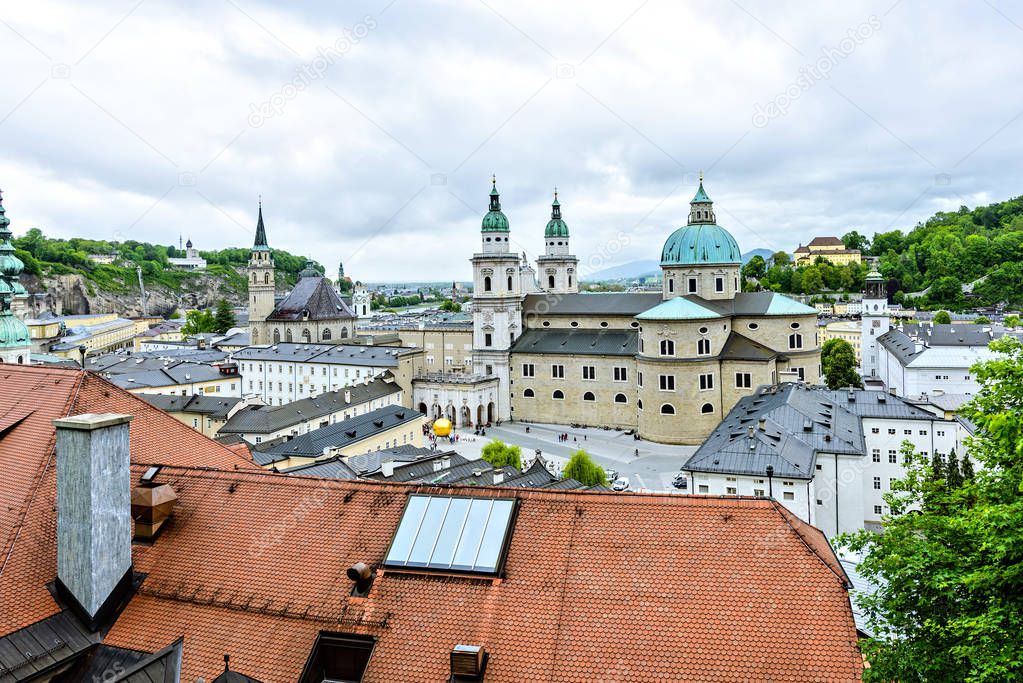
[
  {"x": 269, "y": 419},
  {"x": 337, "y": 435},
  {"x": 200, "y": 405},
  {"x": 182, "y": 373},
  {"x": 417, "y": 470},
  {"x": 798, "y": 423},
  {"x": 578, "y": 342},
  {"x": 610, "y": 303},
  {"x": 738, "y": 347},
  {"x": 369, "y": 463},
  {"x": 338, "y": 354},
  {"x": 313, "y": 298},
  {"x": 334, "y": 468}
]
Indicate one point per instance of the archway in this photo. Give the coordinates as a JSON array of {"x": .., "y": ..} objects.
[
  {"x": 306, "y": 336},
  {"x": 451, "y": 414},
  {"x": 277, "y": 335},
  {"x": 287, "y": 335},
  {"x": 491, "y": 413},
  {"x": 326, "y": 334},
  {"x": 466, "y": 417},
  {"x": 479, "y": 415},
  {"x": 436, "y": 411},
  {"x": 422, "y": 408}
]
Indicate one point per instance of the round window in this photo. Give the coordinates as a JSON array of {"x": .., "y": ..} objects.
[
  {"x": 603, "y": 324},
  {"x": 546, "y": 323},
  {"x": 794, "y": 326},
  {"x": 574, "y": 324},
  {"x": 753, "y": 326},
  {"x": 635, "y": 324},
  {"x": 703, "y": 330}
]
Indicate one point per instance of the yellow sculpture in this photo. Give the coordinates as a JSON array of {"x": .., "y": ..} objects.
[{"x": 442, "y": 426}]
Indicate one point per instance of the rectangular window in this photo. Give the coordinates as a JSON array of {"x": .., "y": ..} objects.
[
  {"x": 877, "y": 483},
  {"x": 875, "y": 430},
  {"x": 892, "y": 456},
  {"x": 758, "y": 492},
  {"x": 692, "y": 285},
  {"x": 488, "y": 339},
  {"x": 907, "y": 432},
  {"x": 589, "y": 372},
  {"x": 621, "y": 374},
  {"x": 704, "y": 488},
  {"x": 877, "y": 509},
  {"x": 891, "y": 431},
  {"x": 558, "y": 371},
  {"x": 731, "y": 490},
  {"x": 788, "y": 495},
  {"x": 875, "y": 455},
  {"x": 706, "y": 381},
  {"x": 923, "y": 432},
  {"x": 639, "y": 379},
  {"x": 528, "y": 370},
  {"x": 743, "y": 380},
  {"x": 667, "y": 382},
  {"x": 801, "y": 374},
  {"x": 719, "y": 284}
]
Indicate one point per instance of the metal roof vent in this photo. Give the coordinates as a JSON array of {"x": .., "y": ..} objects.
[
  {"x": 807, "y": 426},
  {"x": 468, "y": 663}
]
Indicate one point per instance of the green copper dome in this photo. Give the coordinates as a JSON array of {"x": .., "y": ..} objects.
[
  {"x": 13, "y": 332},
  {"x": 556, "y": 227},
  {"x": 701, "y": 244},
  {"x": 495, "y": 220}
]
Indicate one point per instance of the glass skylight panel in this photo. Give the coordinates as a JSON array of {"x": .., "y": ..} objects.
[{"x": 452, "y": 533}]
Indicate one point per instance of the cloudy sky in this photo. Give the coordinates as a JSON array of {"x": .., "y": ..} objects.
[{"x": 371, "y": 129}]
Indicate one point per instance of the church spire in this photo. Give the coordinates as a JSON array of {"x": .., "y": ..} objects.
[
  {"x": 701, "y": 208},
  {"x": 495, "y": 197},
  {"x": 260, "y": 244}
]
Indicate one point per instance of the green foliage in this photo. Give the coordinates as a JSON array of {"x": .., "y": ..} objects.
[
  {"x": 224, "y": 318},
  {"x": 197, "y": 322},
  {"x": 449, "y": 305},
  {"x": 838, "y": 360},
  {"x": 582, "y": 468},
  {"x": 982, "y": 320},
  {"x": 1011, "y": 321},
  {"x": 499, "y": 454},
  {"x": 755, "y": 268},
  {"x": 854, "y": 240},
  {"x": 949, "y": 561},
  {"x": 942, "y": 318}
]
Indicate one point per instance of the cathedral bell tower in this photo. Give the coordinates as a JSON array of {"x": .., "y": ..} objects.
[
  {"x": 261, "y": 283},
  {"x": 496, "y": 301},
  {"x": 875, "y": 320},
  {"x": 558, "y": 268}
]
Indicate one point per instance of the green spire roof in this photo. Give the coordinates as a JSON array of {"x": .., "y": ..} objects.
[
  {"x": 556, "y": 227},
  {"x": 260, "y": 243},
  {"x": 495, "y": 220},
  {"x": 13, "y": 333},
  {"x": 701, "y": 194}
]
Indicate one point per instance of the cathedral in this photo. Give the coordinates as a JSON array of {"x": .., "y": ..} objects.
[
  {"x": 312, "y": 312},
  {"x": 667, "y": 364}
]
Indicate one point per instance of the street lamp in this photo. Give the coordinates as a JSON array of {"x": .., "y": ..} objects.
[
  {"x": 770, "y": 484},
  {"x": 81, "y": 351}
]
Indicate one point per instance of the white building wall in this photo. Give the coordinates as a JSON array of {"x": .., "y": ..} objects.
[
  {"x": 325, "y": 420},
  {"x": 281, "y": 382}
]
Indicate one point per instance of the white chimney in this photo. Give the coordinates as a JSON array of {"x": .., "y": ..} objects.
[
  {"x": 387, "y": 468},
  {"x": 93, "y": 511},
  {"x": 498, "y": 476},
  {"x": 348, "y": 396}
]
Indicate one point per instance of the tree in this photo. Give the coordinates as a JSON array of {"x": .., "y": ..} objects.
[
  {"x": 838, "y": 360},
  {"x": 942, "y": 318},
  {"x": 854, "y": 240},
  {"x": 582, "y": 468},
  {"x": 947, "y": 565},
  {"x": 499, "y": 454},
  {"x": 982, "y": 320},
  {"x": 1012, "y": 321},
  {"x": 224, "y": 317},
  {"x": 755, "y": 269},
  {"x": 449, "y": 305},
  {"x": 198, "y": 322},
  {"x": 780, "y": 258}
]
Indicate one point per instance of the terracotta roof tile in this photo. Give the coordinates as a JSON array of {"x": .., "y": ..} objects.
[
  {"x": 596, "y": 586},
  {"x": 39, "y": 395}
]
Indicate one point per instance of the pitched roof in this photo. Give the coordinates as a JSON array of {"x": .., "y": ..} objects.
[
  {"x": 198, "y": 404},
  {"x": 798, "y": 422},
  {"x": 313, "y": 298},
  {"x": 32, "y": 397},
  {"x": 826, "y": 242},
  {"x": 262, "y": 419},
  {"x": 738, "y": 347},
  {"x": 607, "y": 303},
  {"x": 679, "y": 308},
  {"x": 689, "y": 589},
  {"x": 336, "y": 354},
  {"x": 337, "y": 435},
  {"x": 578, "y": 342}
]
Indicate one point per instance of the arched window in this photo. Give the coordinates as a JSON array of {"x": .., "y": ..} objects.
[
  {"x": 306, "y": 336},
  {"x": 326, "y": 333},
  {"x": 588, "y": 396},
  {"x": 253, "y": 277},
  {"x": 558, "y": 394},
  {"x": 277, "y": 336},
  {"x": 550, "y": 281},
  {"x": 527, "y": 393},
  {"x": 266, "y": 278},
  {"x": 620, "y": 398},
  {"x": 510, "y": 288},
  {"x": 667, "y": 347},
  {"x": 486, "y": 284},
  {"x": 344, "y": 332},
  {"x": 639, "y": 404},
  {"x": 21, "y": 360},
  {"x": 287, "y": 335},
  {"x": 795, "y": 341},
  {"x": 569, "y": 280},
  {"x": 703, "y": 347},
  {"x": 667, "y": 409},
  {"x": 706, "y": 408},
  {"x": 671, "y": 284}
]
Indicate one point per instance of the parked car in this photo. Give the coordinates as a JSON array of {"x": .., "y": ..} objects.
[
  {"x": 611, "y": 476},
  {"x": 620, "y": 484},
  {"x": 680, "y": 481}
]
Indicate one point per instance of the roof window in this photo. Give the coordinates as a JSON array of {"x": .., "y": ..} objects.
[{"x": 338, "y": 657}]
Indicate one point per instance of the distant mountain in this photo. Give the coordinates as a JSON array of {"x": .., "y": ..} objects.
[
  {"x": 632, "y": 269},
  {"x": 764, "y": 253}
]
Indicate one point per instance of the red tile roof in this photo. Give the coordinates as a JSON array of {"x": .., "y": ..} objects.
[
  {"x": 825, "y": 242},
  {"x": 597, "y": 586},
  {"x": 30, "y": 399}
]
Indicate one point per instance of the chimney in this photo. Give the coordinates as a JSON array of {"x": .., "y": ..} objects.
[
  {"x": 468, "y": 663},
  {"x": 387, "y": 468},
  {"x": 762, "y": 424},
  {"x": 93, "y": 513},
  {"x": 348, "y": 396},
  {"x": 498, "y": 476},
  {"x": 151, "y": 505}
]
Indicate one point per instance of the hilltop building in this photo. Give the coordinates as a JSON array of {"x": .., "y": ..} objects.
[
  {"x": 312, "y": 312},
  {"x": 668, "y": 365},
  {"x": 831, "y": 249},
  {"x": 191, "y": 261},
  {"x": 15, "y": 343}
]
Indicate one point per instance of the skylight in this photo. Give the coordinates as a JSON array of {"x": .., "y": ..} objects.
[{"x": 452, "y": 533}]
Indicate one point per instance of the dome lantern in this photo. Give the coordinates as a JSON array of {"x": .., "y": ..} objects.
[
  {"x": 495, "y": 220},
  {"x": 556, "y": 227}
]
